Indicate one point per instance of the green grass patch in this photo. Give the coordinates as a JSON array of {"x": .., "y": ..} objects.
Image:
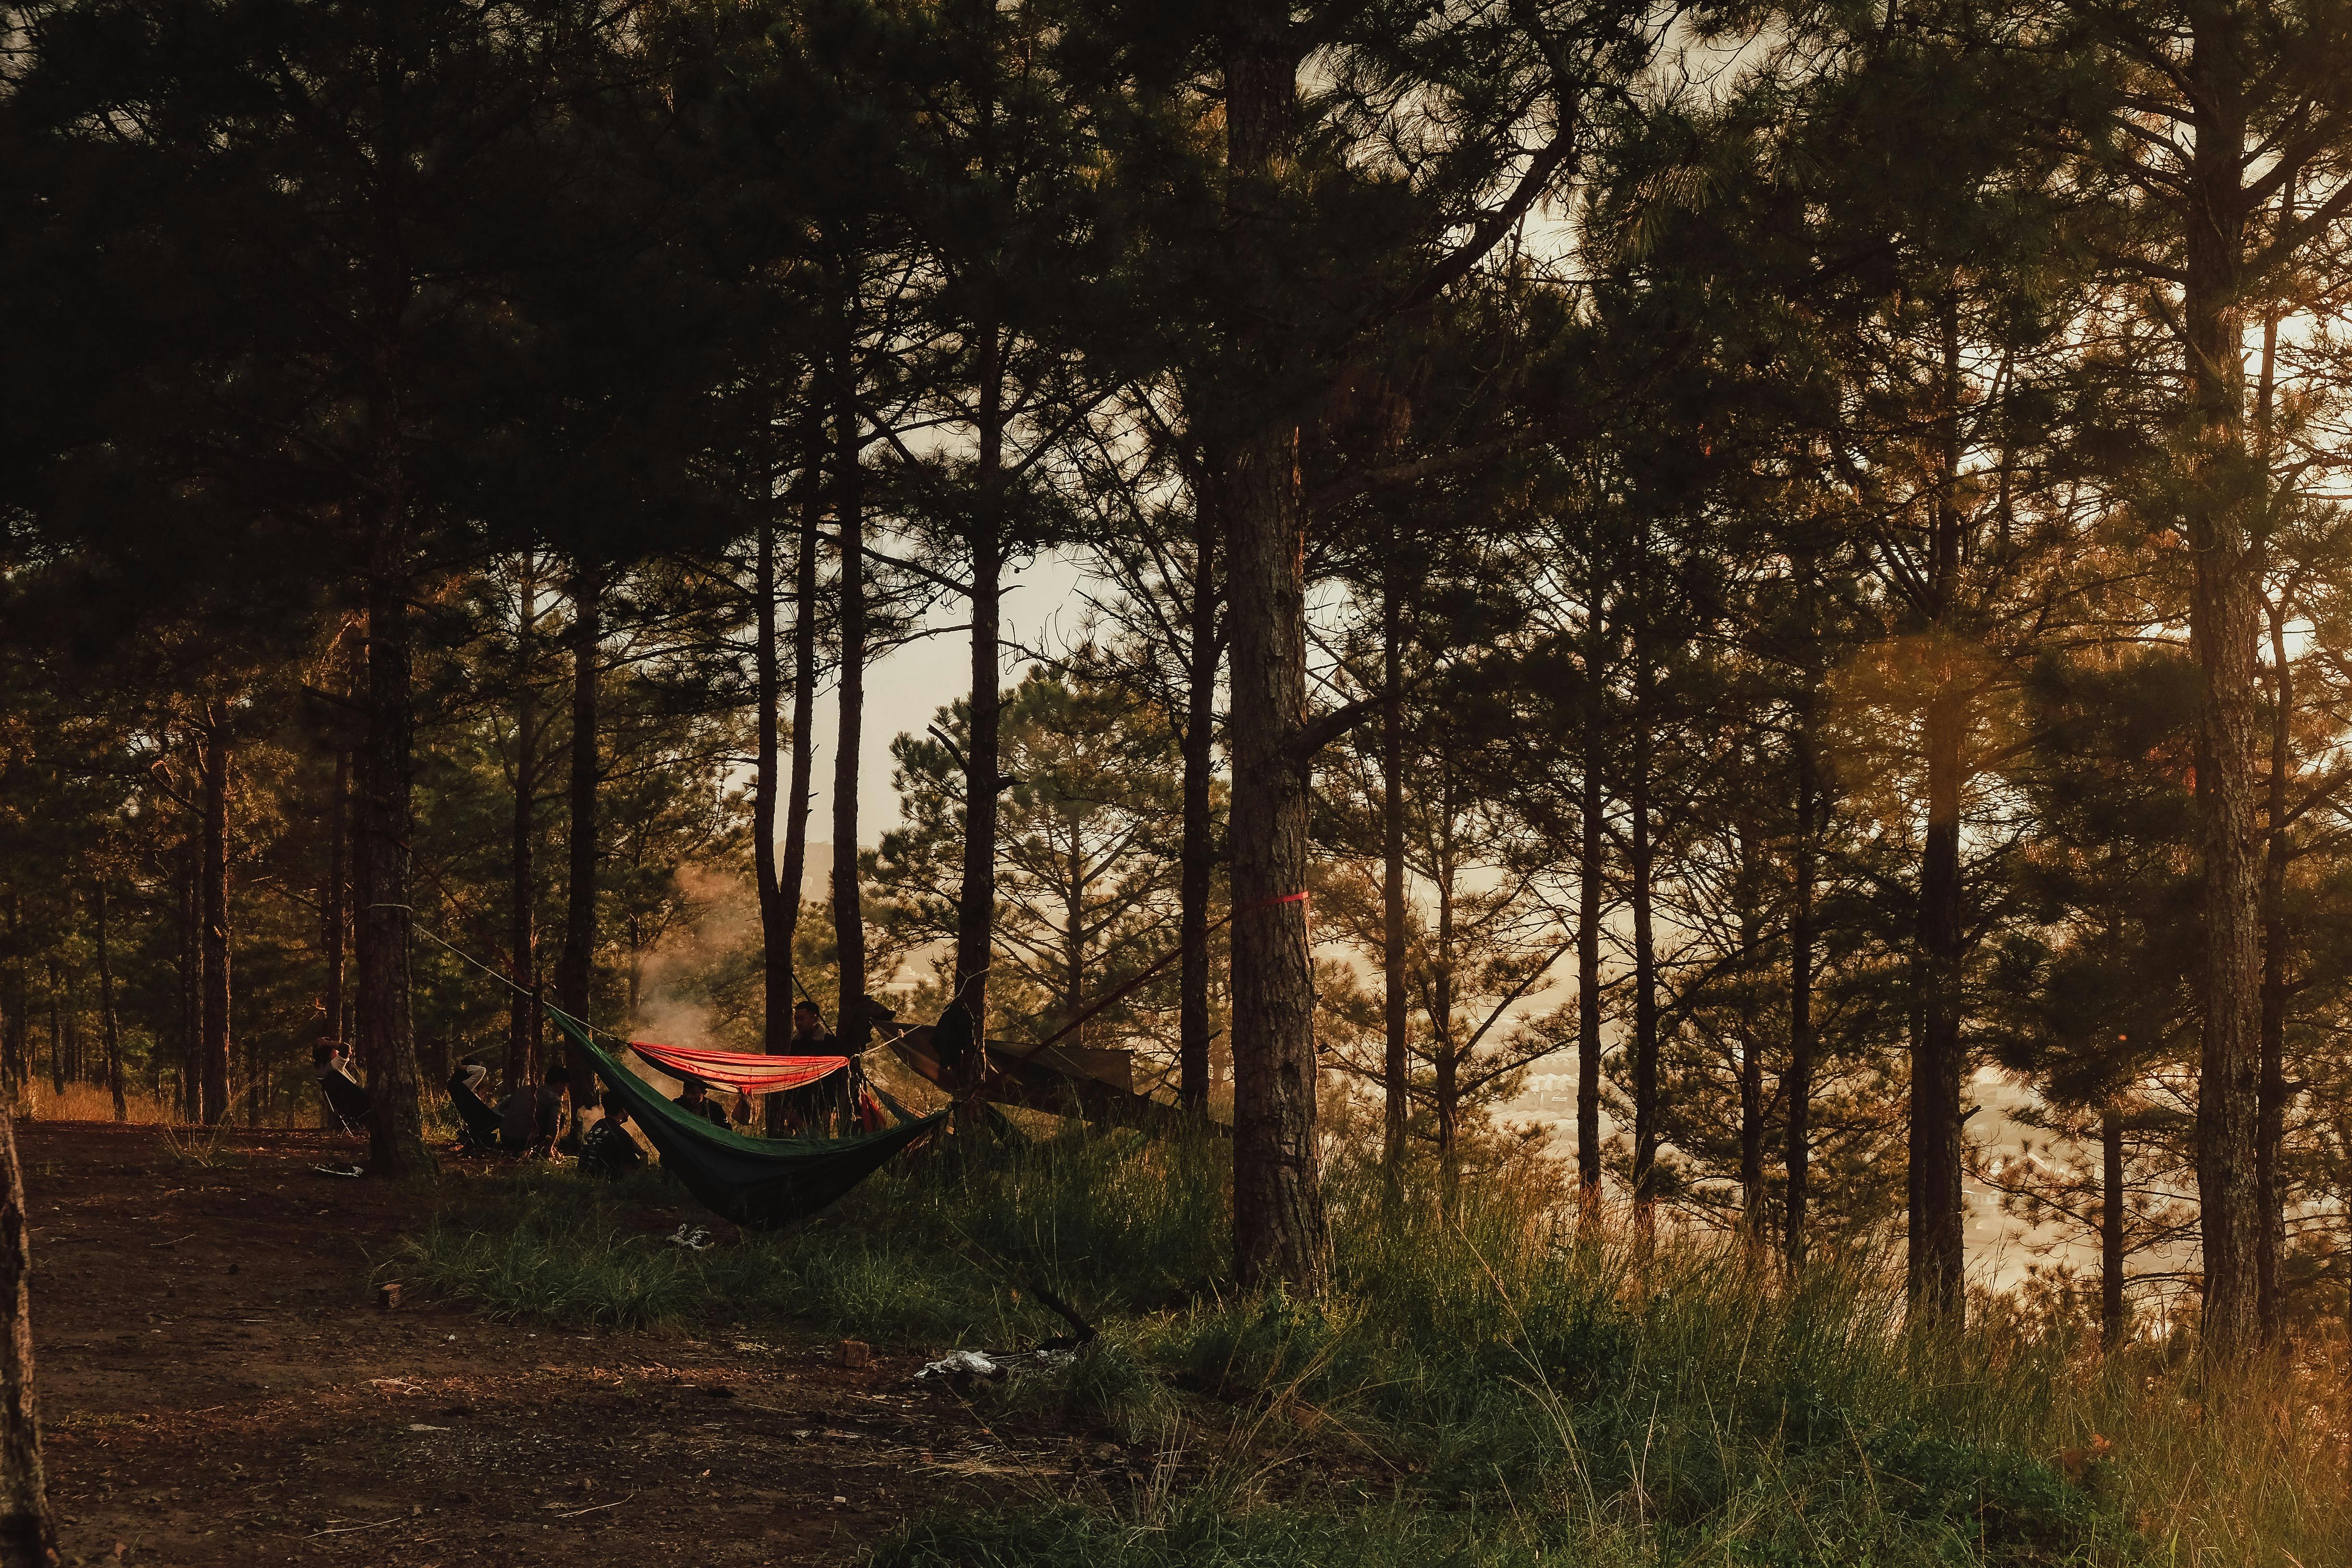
[{"x": 1482, "y": 1385}]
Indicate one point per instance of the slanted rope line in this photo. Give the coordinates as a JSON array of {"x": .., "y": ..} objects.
[{"x": 421, "y": 928}]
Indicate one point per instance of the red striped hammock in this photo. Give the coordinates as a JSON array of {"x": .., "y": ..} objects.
[{"x": 744, "y": 1072}]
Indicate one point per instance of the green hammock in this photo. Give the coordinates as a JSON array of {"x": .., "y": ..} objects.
[{"x": 761, "y": 1183}]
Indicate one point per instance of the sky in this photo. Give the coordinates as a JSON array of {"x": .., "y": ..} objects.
[{"x": 907, "y": 687}]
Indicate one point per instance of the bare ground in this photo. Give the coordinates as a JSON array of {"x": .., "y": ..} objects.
[{"x": 219, "y": 1386}]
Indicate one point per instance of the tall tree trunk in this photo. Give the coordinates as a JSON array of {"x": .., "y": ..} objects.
[
  {"x": 520, "y": 1068},
  {"x": 1073, "y": 927},
  {"x": 68, "y": 1016},
  {"x": 1751, "y": 1043},
  {"x": 16, "y": 1028},
  {"x": 1797, "y": 1085},
  {"x": 1936, "y": 1255},
  {"x": 387, "y": 1028},
  {"x": 976, "y": 900},
  {"x": 1280, "y": 1232},
  {"x": 775, "y": 920},
  {"x": 1196, "y": 873},
  {"x": 331, "y": 913},
  {"x": 794, "y": 870},
  {"x": 1640, "y": 869},
  {"x": 1396, "y": 1061},
  {"x": 2270, "y": 1105},
  {"x": 1446, "y": 1087},
  {"x": 2112, "y": 1322},
  {"x": 214, "y": 775},
  {"x": 105, "y": 1019},
  {"x": 57, "y": 1031},
  {"x": 576, "y": 966},
  {"x": 1279, "y": 1229},
  {"x": 2225, "y": 622},
  {"x": 1591, "y": 866},
  {"x": 191, "y": 981},
  {"x": 27, "y": 1534},
  {"x": 848, "y": 909},
  {"x": 1935, "y": 1258}
]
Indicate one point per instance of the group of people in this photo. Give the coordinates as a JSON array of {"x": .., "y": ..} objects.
[{"x": 528, "y": 1122}]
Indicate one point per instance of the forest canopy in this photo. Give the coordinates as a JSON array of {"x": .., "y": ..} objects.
[{"x": 1782, "y": 568}]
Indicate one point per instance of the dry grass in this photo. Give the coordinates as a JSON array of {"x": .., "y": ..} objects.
[{"x": 90, "y": 1102}]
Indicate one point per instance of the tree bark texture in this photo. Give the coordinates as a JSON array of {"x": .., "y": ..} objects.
[
  {"x": 794, "y": 870},
  {"x": 332, "y": 911},
  {"x": 976, "y": 898},
  {"x": 1592, "y": 866},
  {"x": 848, "y": 909},
  {"x": 2112, "y": 1322},
  {"x": 212, "y": 1049},
  {"x": 1936, "y": 1256},
  {"x": 106, "y": 1020},
  {"x": 2225, "y": 622},
  {"x": 576, "y": 966},
  {"x": 27, "y": 1531},
  {"x": 386, "y": 1024},
  {"x": 1396, "y": 1062},
  {"x": 16, "y": 1028},
  {"x": 1798, "y": 1084},
  {"x": 192, "y": 982},
  {"x": 56, "y": 1029},
  {"x": 1640, "y": 871},
  {"x": 775, "y": 921},
  {"x": 1751, "y": 1043},
  {"x": 520, "y": 1067},
  {"x": 1447, "y": 1085},
  {"x": 2271, "y": 1107},
  {"x": 1196, "y": 874},
  {"x": 1279, "y": 1228}
]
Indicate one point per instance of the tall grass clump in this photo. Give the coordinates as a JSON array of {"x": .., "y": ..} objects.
[
  {"x": 550, "y": 1251},
  {"x": 1116, "y": 1224},
  {"x": 1488, "y": 1381},
  {"x": 946, "y": 1248}
]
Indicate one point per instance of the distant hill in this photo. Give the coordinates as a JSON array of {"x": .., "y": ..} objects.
[{"x": 816, "y": 877}]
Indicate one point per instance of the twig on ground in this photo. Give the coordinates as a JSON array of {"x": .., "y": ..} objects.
[
  {"x": 348, "y": 1529},
  {"x": 600, "y": 1508}
]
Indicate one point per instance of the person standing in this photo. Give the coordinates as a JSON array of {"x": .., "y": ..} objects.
[{"x": 810, "y": 1111}]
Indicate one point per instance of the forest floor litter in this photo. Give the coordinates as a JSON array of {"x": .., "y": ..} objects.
[{"x": 235, "y": 1394}]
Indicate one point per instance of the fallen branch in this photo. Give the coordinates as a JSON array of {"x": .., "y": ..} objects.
[
  {"x": 600, "y": 1508},
  {"x": 350, "y": 1529}
]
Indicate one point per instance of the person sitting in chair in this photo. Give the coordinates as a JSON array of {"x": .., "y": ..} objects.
[
  {"x": 697, "y": 1099},
  {"x": 608, "y": 1150},
  {"x": 478, "y": 1130},
  {"x": 341, "y": 1091},
  {"x": 530, "y": 1118}
]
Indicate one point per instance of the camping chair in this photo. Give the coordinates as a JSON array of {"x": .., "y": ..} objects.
[{"x": 477, "y": 1131}]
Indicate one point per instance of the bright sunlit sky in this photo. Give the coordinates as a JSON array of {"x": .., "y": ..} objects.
[{"x": 906, "y": 688}]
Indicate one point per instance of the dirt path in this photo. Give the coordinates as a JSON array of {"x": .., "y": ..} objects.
[{"x": 218, "y": 1386}]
